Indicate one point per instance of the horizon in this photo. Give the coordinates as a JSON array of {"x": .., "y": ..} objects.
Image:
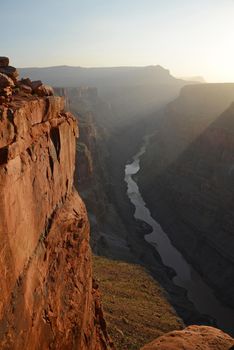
[
  {"x": 196, "y": 78},
  {"x": 191, "y": 76},
  {"x": 190, "y": 39},
  {"x": 186, "y": 78}
]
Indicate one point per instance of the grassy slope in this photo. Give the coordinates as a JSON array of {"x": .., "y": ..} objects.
[{"x": 135, "y": 306}]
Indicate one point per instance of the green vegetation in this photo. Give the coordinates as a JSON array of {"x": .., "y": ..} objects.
[{"x": 135, "y": 305}]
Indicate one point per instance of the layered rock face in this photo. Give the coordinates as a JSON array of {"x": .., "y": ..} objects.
[
  {"x": 91, "y": 175},
  {"x": 47, "y": 297},
  {"x": 192, "y": 338},
  {"x": 190, "y": 190}
]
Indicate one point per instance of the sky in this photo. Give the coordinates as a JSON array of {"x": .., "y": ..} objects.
[{"x": 188, "y": 37}]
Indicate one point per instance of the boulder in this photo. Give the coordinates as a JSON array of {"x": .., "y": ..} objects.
[
  {"x": 5, "y": 81},
  {"x": 4, "y": 61},
  {"x": 25, "y": 88},
  {"x": 36, "y": 84},
  {"x": 33, "y": 85},
  {"x": 7, "y": 91},
  {"x": 44, "y": 90},
  {"x": 193, "y": 338},
  {"x": 25, "y": 81},
  {"x": 10, "y": 72}
]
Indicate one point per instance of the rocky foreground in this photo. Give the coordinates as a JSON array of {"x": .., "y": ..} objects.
[{"x": 191, "y": 338}]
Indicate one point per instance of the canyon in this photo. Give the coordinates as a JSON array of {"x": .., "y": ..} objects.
[
  {"x": 193, "y": 113},
  {"x": 175, "y": 128},
  {"x": 50, "y": 298},
  {"x": 114, "y": 231},
  {"x": 198, "y": 103}
]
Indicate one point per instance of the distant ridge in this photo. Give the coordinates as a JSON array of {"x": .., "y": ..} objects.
[
  {"x": 198, "y": 79},
  {"x": 130, "y": 91},
  {"x": 70, "y": 76}
]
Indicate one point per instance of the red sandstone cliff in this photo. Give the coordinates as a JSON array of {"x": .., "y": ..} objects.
[{"x": 47, "y": 297}]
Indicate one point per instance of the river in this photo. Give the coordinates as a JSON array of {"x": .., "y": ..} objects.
[{"x": 198, "y": 292}]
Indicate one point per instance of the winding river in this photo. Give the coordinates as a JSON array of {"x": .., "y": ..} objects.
[{"x": 199, "y": 293}]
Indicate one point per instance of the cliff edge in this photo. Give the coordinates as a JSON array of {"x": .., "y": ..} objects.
[{"x": 48, "y": 298}]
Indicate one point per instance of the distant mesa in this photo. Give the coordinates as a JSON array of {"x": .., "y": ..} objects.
[
  {"x": 197, "y": 79},
  {"x": 100, "y": 77}
]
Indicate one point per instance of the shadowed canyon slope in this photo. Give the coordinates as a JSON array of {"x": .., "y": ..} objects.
[
  {"x": 47, "y": 298},
  {"x": 187, "y": 180}
]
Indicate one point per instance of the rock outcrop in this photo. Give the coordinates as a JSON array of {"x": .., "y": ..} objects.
[
  {"x": 48, "y": 299},
  {"x": 89, "y": 177},
  {"x": 193, "y": 338}
]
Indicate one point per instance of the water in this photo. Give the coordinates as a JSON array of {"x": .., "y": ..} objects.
[{"x": 199, "y": 293}]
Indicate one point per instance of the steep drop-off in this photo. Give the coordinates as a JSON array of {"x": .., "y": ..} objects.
[
  {"x": 189, "y": 190},
  {"x": 114, "y": 231},
  {"x": 91, "y": 174},
  {"x": 48, "y": 300}
]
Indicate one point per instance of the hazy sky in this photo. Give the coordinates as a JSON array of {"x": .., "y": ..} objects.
[{"x": 189, "y": 37}]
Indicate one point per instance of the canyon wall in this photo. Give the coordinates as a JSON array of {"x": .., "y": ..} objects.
[
  {"x": 187, "y": 181},
  {"x": 48, "y": 299},
  {"x": 91, "y": 176},
  {"x": 115, "y": 233}
]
